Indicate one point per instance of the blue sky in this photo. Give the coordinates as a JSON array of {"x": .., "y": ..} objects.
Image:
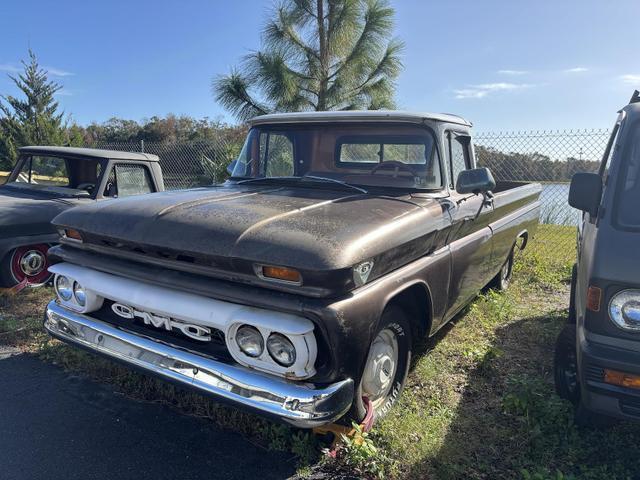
[{"x": 505, "y": 65}]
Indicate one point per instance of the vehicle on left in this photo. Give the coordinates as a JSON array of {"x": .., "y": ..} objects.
[{"x": 48, "y": 180}]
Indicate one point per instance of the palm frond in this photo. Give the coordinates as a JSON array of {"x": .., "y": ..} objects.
[
  {"x": 232, "y": 92},
  {"x": 317, "y": 54}
]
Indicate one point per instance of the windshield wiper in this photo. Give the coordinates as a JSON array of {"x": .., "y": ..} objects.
[
  {"x": 269, "y": 179},
  {"x": 333, "y": 180},
  {"x": 305, "y": 178}
]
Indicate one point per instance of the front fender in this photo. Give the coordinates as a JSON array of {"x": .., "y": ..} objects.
[{"x": 8, "y": 244}]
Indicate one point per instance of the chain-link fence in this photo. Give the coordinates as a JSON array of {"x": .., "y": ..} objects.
[
  {"x": 184, "y": 164},
  {"x": 548, "y": 157}
]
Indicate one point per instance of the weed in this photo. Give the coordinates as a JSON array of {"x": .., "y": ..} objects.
[
  {"x": 360, "y": 455},
  {"x": 545, "y": 475}
]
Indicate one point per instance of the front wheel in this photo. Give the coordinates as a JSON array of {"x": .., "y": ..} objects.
[
  {"x": 386, "y": 367},
  {"x": 567, "y": 380},
  {"x": 26, "y": 264},
  {"x": 565, "y": 365}
]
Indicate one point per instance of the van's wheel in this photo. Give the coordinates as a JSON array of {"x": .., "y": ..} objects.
[
  {"x": 386, "y": 367},
  {"x": 572, "y": 295},
  {"x": 503, "y": 279},
  {"x": 567, "y": 380},
  {"x": 565, "y": 365},
  {"x": 28, "y": 263}
]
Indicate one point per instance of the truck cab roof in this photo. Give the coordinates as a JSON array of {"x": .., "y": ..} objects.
[
  {"x": 358, "y": 116},
  {"x": 92, "y": 153}
]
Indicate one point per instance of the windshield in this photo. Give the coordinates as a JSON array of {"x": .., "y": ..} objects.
[
  {"x": 46, "y": 172},
  {"x": 376, "y": 155},
  {"x": 628, "y": 196}
]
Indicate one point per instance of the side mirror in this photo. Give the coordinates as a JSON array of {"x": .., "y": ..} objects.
[
  {"x": 585, "y": 192},
  {"x": 231, "y": 167},
  {"x": 477, "y": 180}
]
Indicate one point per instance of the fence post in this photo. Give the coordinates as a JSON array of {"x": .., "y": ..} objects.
[{"x": 142, "y": 146}]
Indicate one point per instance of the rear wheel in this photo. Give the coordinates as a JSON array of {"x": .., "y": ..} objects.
[
  {"x": 503, "y": 279},
  {"x": 28, "y": 263},
  {"x": 386, "y": 367}
]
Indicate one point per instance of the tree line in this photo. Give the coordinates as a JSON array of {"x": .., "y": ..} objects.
[{"x": 531, "y": 166}]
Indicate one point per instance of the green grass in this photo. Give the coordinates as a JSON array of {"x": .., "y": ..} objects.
[
  {"x": 479, "y": 401},
  {"x": 21, "y": 318}
]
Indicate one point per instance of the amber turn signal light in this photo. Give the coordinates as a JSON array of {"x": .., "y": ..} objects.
[
  {"x": 621, "y": 379},
  {"x": 594, "y": 295},
  {"x": 281, "y": 273},
  {"x": 73, "y": 234}
]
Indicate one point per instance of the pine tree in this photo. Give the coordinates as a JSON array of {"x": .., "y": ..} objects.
[
  {"x": 317, "y": 55},
  {"x": 34, "y": 120}
]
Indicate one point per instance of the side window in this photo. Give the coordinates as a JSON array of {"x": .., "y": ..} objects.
[
  {"x": 458, "y": 155},
  {"x": 127, "y": 180},
  {"x": 44, "y": 171},
  {"x": 277, "y": 155}
]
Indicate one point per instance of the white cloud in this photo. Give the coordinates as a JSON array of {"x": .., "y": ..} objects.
[
  {"x": 53, "y": 71},
  {"x": 484, "y": 89},
  {"x": 57, "y": 72},
  {"x": 6, "y": 67},
  {"x": 513, "y": 72},
  {"x": 630, "y": 79},
  {"x": 576, "y": 70}
]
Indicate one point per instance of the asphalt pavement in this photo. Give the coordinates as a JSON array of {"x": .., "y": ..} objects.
[{"x": 55, "y": 425}]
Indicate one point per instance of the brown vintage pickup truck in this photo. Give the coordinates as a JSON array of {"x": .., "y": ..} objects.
[{"x": 299, "y": 287}]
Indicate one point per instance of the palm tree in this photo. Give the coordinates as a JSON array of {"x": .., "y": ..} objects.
[{"x": 317, "y": 55}]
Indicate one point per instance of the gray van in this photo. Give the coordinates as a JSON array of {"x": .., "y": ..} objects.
[{"x": 597, "y": 357}]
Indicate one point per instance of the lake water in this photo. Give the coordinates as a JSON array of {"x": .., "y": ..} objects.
[{"x": 555, "y": 207}]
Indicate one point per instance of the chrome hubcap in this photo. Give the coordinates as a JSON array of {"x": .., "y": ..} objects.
[
  {"x": 506, "y": 270},
  {"x": 32, "y": 263},
  {"x": 381, "y": 366}
]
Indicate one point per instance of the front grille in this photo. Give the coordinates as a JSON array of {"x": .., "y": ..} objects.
[
  {"x": 630, "y": 406},
  {"x": 216, "y": 348},
  {"x": 594, "y": 373},
  {"x": 151, "y": 251}
]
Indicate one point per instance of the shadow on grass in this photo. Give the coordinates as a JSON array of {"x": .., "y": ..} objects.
[{"x": 510, "y": 424}]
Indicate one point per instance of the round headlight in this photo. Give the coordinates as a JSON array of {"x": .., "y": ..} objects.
[
  {"x": 624, "y": 309},
  {"x": 281, "y": 349},
  {"x": 250, "y": 341},
  {"x": 63, "y": 287},
  {"x": 79, "y": 294}
]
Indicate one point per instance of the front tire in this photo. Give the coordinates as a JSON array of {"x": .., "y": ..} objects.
[
  {"x": 386, "y": 367},
  {"x": 567, "y": 379},
  {"x": 572, "y": 294},
  {"x": 565, "y": 365},
  {"x": 27, "y": 263}
]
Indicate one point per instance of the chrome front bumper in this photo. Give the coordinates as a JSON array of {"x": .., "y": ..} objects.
[{"x": 300, "y": 404}]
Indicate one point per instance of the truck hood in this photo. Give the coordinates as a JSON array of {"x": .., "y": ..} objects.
[
  {"x": 307, "y": 228},
  {"x": 22, "y": 213}
]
